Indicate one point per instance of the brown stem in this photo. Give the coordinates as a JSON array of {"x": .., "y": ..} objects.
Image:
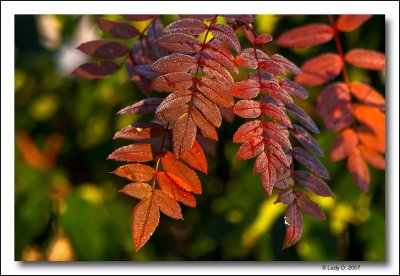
[
  {"x": 339, "y": 48},
  {"x": 258, "y": 71},
  {"x": 159, "y": 154}
]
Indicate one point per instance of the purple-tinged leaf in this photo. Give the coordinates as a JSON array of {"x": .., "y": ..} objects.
[
  {"x": 104, "y": 49},
  {"x": 98, "y": 70},
  {"x": 286, "y": 64},
  {"x": 301, "y": 116},
  {"x": 308, "y": 206},
  {"x": 145, "y": 106},
  {"x": 226, "y": 34},
  {"x": 310, "y": 162},
  {"x": 294, "y": 89},
  {"x": 188, "y": 26},
  {"x": 294, "y": 225},
  {"x": 312, "y": 183},
  {"x": 181, "y": 43},
  {"x": 122, "y": 30},
  {"x": 307, "y": 140}
]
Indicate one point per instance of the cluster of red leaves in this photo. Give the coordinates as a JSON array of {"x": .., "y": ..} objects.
[
  {"x": 198, "y": 74},
  {"x": 268, "y": 136},
  {"x": 362, "y": 123}
]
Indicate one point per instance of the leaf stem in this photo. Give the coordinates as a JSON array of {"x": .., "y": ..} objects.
[
  {"x": 159, "y": 155},
  {"x": 339, "y": 48},
  {"x": 258, "y": 70}
]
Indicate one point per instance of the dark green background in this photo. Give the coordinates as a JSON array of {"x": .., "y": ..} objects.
[{"x": 72, "y": 210}]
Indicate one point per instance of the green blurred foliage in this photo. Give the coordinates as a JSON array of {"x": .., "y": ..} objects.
[{"x": 68, "y": 206}]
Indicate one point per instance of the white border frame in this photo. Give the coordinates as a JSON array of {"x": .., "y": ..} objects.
[{"x": 9, "y": 9}]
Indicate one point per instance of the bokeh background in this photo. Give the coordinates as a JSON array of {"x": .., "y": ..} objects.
[{"x": 67, "y": 205}]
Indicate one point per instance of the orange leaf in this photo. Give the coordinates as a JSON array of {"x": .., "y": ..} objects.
[
  {"x": 137, "y": 190},
  {"x": 343, "y": 144},
  {"x": 169, "y": 186},
  {"x": 184, "y": 134},
  {"x": 371, "y": 117},
  {"x": 167, "y": 205},
  {"x": 320, "y": 69},
  {"x": 359, "y": 169},
  {"x": 185, "y": 177},
  {"x": 135, "y": 172},
  {"x": 372, "y": 140},
  {"x": 368, "y": 95},
  {"x": 145, "y": 219},
  {"x": 366, "y": 59},
  {"x": 133, "y": 153},
  {"x": 195, "y": 157},
  {"x": 373, "y": 157}
]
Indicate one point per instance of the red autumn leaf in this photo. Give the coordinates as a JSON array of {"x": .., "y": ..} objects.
[
  {"x": 276, "y": 113},
  {"x": 262, "y": 39},
  {"x": 268, "y": 177},
  {"x": 320, "y": 69},
  {"x": 350, "y": 22},
  {"x": 277, "y": 155},
  {"x": 301, "y": 116},
  {"x": 207, "y": 130},
  {"x": 367, "y": 59},
  {"x": 167, "y": 205},
  {"x": 246, "y": 89},
  {"x": 185, "y": 177},
  {"x": 308, "y": 206},
  {"x": 215, "y": 91},
  {"x": 145, "y": 219},
  {"x": 145, "y": 106},
  {"x": 359, "y": 169},
  {"x": 184, "y": 134},
  {"x": 273, "y": 67},
  {"x": 286, "y": 64},
  {"x": 139, "y": 17},
  {"x": 174, "y": 63},
  {"x": 307, "y": 140},
  {"x": 305, "y": 36},
  {"x": 136, "y": 172},
  {"x": 247, "y": 109},
  {"x": 178, "y": 42},
  {"x": 104, "y": 49},
  {"x": 225, "y": 34},
  {"x": 221, "y": 55},
  {"x": 122, "y": 30},
  {"x": 277, "y": 133},
  {"x": 294, "y": 225},
  {"x": 373, "y": 157},
  {"x": 246, "y": 60},
  {"x": 294, "y": 89},
  {"x": 195, "y": 157},
  {"x": 173, "y": 82},
  {"x": 99, "y": 70},
  {"x": 137, "y": 190},
  {"x": 370, "y": 139},
  {"x": 367, "y": 94},
  {"x": 208, "y": 109},
  {"x": 248, "y": 130},
  {"x": 312, "y": 183},
  {"x": 343, "y": 144},
  {"x": 133, "y": 153},
  {"x": 310, "y": 162},
  {"x": 272, "y": 88},
  {"x": 169, "y": 186},
  {"x": 188, "y": 26},
  {"x": 251, "y": 148}
]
